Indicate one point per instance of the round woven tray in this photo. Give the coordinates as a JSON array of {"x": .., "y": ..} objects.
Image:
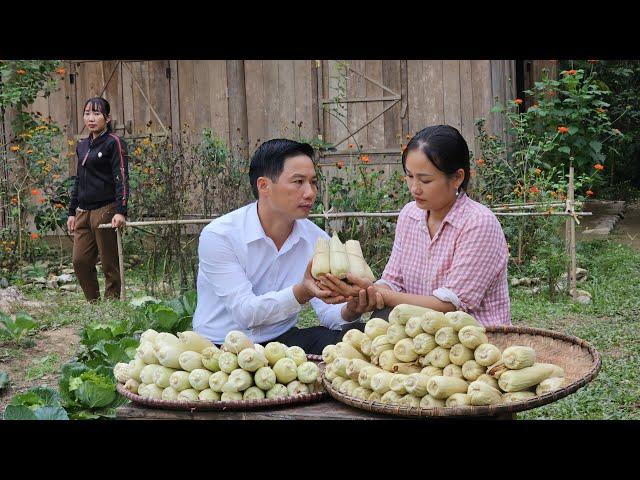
[
  {"x": 237, "y": 405},
  {"x": 581, "y": 363}
]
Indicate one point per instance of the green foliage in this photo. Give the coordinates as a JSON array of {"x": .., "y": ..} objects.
[
  {"x": 16, "y": 329},
  {"x": 4, "y": 380},
  {"x": 38, "y": 403}
]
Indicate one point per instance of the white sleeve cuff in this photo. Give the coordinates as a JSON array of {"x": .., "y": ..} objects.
[
  {"x": 390, "y": 285},
  {"x": 446, "y": 295}
]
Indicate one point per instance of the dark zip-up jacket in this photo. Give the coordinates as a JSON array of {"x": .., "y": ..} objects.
[{"x": 102, "y": 176}]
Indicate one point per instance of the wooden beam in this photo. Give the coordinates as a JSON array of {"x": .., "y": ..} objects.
[
  {"x": 175, "y": 103},
  {"x": 238, "y": 119}
]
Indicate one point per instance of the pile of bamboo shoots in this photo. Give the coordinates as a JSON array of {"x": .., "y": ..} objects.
[
  {"x": 425, "y": 358},
  {"x": 191, "y": 368}
]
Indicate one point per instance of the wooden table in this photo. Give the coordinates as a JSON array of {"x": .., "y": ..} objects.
[{"x": 328, "y": 409}]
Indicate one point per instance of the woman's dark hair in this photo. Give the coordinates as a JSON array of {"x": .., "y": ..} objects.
[
  {"x": 444, "y": 147},
  {"x": 99, "y": 104},
  {"x": 268, "y": 160}
]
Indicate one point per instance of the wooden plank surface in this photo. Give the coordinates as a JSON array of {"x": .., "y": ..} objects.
[
  {"x": 175, "y": 102},
  {"x": 328, "y": 409},
  {"x": 187, "y": 99},
  {"x": 375, "y": 130},
  {"x": 466, "y": 104},
  {"x": 219, "y": 98},
  {"x": 201, "y": 98},
  {"x": 271, "y": 99},
  {"x": 237, "y": 108},
  {"x": 113, "y": 92},
  {"x": 497, "y": 90},
  {"x": 256, "y": 113},
  {"x": 433, "y": 92},
  {"x": 286, "y": 116},
  {"x": 304, "y": 95},
  {"x": 481, "y": 82},
  {"x": 392, "y": 122},
  {"x": 336, "y": 130},
  {"x": 127, "y": 95},
  {"x": 356, "y": 112},
  {"x": 159, "y": 95},
  {"x": 451, "y": 93},
  {"x": 416, "y": 98},
  {"x": 141, "y": 110}
]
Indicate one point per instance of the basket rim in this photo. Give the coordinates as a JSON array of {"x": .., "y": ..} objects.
[
  {"x": 484, "y": 410},
  {"x": 203, "y": 405}
]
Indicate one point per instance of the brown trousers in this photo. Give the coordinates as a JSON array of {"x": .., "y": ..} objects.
[{"x": 88, "y": 243}]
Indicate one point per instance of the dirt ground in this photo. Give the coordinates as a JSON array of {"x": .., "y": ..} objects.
[
  {"x": 627, "y": 230},
  {"x": 17, "y": 361}
]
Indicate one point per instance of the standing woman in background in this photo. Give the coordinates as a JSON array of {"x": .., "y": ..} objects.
[{"x": 100, "y": 195}]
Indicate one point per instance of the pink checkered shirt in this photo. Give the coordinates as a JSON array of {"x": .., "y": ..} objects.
[{"x": 465, "y": 263}]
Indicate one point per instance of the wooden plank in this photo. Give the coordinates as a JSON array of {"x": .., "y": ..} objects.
[
  {"x": 201, "y": 98},
  {"x": 174, "y": 93},
  {"x": 392, "y": 122},
  {"x": 316, "y": 96},
  {"x": 466, "y": 104},
  {"x": 58, "y": 105},
  {"x": 127, "y": 96},
  {"x": 219, "y": 98},
  {"x": 375, "y": 130},
  {"x": 451, "y": 93},
  {"x": 187, "y": 99},
  {"x": 336, "y": 129},
  {"x": 433, "y": 92},
  {"x": 237, "y": 108},
  {"x": 271, "y": 99},
  {"x": 113, "y": 93},
  {"x": 141, "y": 110},
  {"x": 404, "y": 104},
  {"x": 304, "y": 95},
  {"x": 415, "y": 95},
  {"x": 159, "y": 95},
  {"x": 324, "y": 90},
  {"x": 72, "y": 104},
  {"x": 256, "y": 114},
  {"x": 481, "y": 87},
  {"x": 287, "y": 99},
  {"x": 356, "y": 112},
  {"x": 82, "y": 96},
  {"x": 497, "y": 90}
]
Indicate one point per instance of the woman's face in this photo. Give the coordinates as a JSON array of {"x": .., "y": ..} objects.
[
  {"x": 431, "y": 188},
  {"x": 94, "y": 120}
]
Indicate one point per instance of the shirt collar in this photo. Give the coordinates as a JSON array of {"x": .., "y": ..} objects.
[{"x": 254, "y": 230}]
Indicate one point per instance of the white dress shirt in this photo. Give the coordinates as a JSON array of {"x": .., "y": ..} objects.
[{"x": 244, "y": 283}]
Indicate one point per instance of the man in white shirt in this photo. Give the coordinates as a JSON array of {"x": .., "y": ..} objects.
[{"x": 255, "y": 262}]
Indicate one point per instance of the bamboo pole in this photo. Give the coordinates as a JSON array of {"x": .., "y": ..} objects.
[
  {"x": 571, "y": 236},
  {"x": 120, "y": 262}
]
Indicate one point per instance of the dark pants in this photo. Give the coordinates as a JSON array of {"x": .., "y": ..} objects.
[
  {"x": 89, "y": 242},
  {"x": 383, "y": 314},
  {"x": 314, "y": 339}
]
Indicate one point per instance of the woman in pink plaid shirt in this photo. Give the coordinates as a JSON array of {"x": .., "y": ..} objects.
[{"x": 449, "y": 251}]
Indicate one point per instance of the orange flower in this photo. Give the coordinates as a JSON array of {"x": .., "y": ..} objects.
[
  {"x": 34, "y": 236},
  {"x": 598, "y": 166},
  {"x": 589, "y": 193},
  {"x": 35, "y": 191},
  {"x": 600, "y": 110},
  {"x": 489, "y": 196},
  {"x": 58, "y": 205},
  {"x": 42, "y": 200},
  {"x": 553, "y": 194},
  {"x": 15, "y": 148},
  {"x": 563, "y": 130},
  {"x": 518, "y": 101},
  {"x": 364, "y": 158},
  {"x": 480, "y": 161},
  {"x": 340, "y": 164},
  {"x": 538, "y": 171},
  {"x": 572, "y": 72},
  {"x": 14, "y": 200},
  {"x": 21, "y": 71},
  {"x": 534, "y": 190},
  {"x": 61, "y": 70}
]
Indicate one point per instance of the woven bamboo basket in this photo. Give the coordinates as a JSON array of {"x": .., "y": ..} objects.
[
  {"x": 580, "y": 360},
  {"x": 319, "y": 394}
]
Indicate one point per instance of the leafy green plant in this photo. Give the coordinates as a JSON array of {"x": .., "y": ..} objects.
[
  {"x": 43, "y": 366},
  {"x": 18, "y": 328},
  {"x": 38, "y": 403},
  {"x": 4, "y": 380}
]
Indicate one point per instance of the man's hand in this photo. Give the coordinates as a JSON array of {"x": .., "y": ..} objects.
[
  {"x": 339, "y": 287},
  {"x": 71, "y": 223},
  {"x": 367, "y": 300},
  {"x": 118, "y": 221},
  {"x": 309, "y": 288}
]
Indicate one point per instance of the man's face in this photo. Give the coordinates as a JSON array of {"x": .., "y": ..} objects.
[{"x": 295, "y": 191}]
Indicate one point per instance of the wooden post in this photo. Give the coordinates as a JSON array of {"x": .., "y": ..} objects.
[
  {"x": 238, "y": 119},
  {"x": 120, "y": 262},
  {"x": 570, "y": 235}
]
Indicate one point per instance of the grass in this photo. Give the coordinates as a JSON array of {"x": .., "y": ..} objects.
[{"x": 43, "y": 366}]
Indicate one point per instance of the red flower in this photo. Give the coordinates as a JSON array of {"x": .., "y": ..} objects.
[
  {"x": 534, "y": 190},
  {"x": 340, "y": 164},
  {"x": 572, "y": 72},
  {"x": 58, "y": 205},
  {"x": 589, "y": 193},
  {"x": 563, "y": 130},
  {"x": 61, "y": 70},
  {"x": 480, "y": 161},
  {"x": 598, "y": 166},
  {"x": 34, "y": 236},
  {"x": 518, "y": 101},
  {"x": 42, "y": 200},
  {"x": 35, "y": 191}
]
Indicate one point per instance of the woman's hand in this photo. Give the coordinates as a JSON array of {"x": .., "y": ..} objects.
[
  {"x": 339, "y": 287},
  {"x": 118, "y": 221},
  {"x": 71, "y": 223},
  {"x": 314, "y": 288},
  {"x": 367, "y": 300}
]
